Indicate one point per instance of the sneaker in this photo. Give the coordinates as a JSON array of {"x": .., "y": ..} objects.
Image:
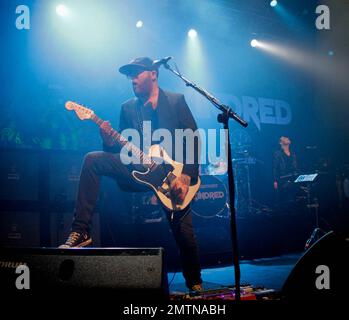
[
  {"x": 76, "y": 240},
  {"x": 196, "y": 287}
]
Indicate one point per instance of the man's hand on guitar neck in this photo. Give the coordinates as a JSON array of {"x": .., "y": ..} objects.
[
  {"x": 180, "y": 187},
  {"x": 105, "y": 131}
]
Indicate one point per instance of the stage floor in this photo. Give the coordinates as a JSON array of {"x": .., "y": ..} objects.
[{"x": 270, "y": 273}]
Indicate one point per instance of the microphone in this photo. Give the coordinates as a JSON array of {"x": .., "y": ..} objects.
[{"x": 158, "y": 63}]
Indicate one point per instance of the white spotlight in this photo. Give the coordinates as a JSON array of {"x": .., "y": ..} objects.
[
  {"x": 273, "y": 3},
  {"x": 62, "y": 10},
  {"x": 139, "y": 24},
  {"x": 254, "y": 43},
  {"x": 192, "y": 33}
]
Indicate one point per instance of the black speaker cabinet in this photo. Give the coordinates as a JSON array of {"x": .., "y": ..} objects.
[
  {"x": 19, "y": 176},
  {"x": 19, "y": 229},
  {"x": 322, "y": 272},
  {"x": 85, "y": 272},
  {"x": 64, "y": 176}
]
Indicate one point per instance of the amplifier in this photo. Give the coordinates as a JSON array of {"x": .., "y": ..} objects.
[
  {"x": 19, "y": 178},
  {"x": 64, "y": 176},
  {"x": 19, "y": 229}
]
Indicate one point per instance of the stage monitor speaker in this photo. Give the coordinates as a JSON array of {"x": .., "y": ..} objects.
[
  {"x": 120, "y": 273},
  {"x": 322, "y": 272}
]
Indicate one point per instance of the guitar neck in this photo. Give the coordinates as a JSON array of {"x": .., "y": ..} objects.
[{"x": 117, "y": 137}]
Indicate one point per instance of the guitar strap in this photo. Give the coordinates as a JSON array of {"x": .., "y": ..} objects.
[{"x": 139, "y": 118}]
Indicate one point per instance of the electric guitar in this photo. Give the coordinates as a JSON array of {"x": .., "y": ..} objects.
[{"x": 157, "y": 175}]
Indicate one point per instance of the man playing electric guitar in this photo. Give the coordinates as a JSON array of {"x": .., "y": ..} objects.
[{"x": 163, "y": 110}]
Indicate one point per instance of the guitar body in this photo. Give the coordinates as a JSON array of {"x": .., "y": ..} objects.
[{"x": 159, "y": 179}]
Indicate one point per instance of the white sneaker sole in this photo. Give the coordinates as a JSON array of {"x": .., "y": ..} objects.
[{"x": 80, "y": 245}]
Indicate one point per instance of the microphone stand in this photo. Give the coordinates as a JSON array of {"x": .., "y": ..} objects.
[{"x": 226, "y": 114}]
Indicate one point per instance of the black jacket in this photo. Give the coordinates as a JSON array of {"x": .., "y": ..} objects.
[
  {"x": 284, "y": 165},
  {"x": 172, "y": 113}
]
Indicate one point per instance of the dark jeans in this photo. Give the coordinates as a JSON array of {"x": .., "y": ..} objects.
[{"x": 97, "y": 164}]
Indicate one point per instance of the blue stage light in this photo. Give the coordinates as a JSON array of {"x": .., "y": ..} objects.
[
  {"x": 273, "y": 3},
  {"x": 139, "y": 24}
]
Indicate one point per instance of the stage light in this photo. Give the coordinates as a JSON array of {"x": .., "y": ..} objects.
[
  {"x": 273, "y": 3},
  {"x": 139, "y": 24},
  {"x": 62, "y": 10},
  {"x": 192, "y": 33},
  {"x": 254, "y": 43}
]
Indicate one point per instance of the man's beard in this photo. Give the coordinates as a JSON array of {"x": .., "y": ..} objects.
[{"x": 142, "y": 93}]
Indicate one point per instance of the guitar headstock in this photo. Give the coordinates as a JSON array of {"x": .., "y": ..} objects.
[{"x": 82, "y": 112}]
